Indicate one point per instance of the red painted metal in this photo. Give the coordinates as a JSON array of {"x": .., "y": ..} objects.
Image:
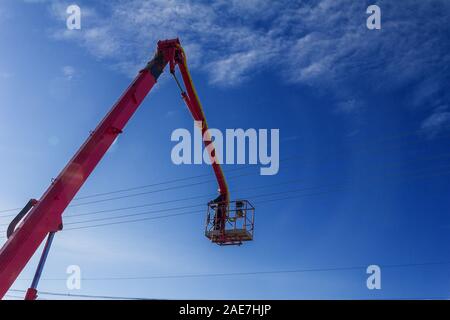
[
  {"x": 46, "y": 214},
  {"x": 194, "y": 106},
  {"x": 176, "y": 56},
  {"x": 31, "y": 294}
]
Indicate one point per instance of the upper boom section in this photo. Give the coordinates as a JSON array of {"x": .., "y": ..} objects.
[{"x": 175, "y": 55}]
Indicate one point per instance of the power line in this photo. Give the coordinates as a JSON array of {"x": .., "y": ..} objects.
[
  {"x": 196, "y": 212},
  {"x": 366, "y": 146},
  {"x": 248, "y": 196},
  {"x": 154, "y": 184},
  {"x": 130, "y": 215},
  {"x": 155, "y": 191},
  {"x": 13, "y": 296},
  {"x": 189, "y": 198},
  {"x": 165, "y": 216},
  {"x": 170, "y": 201},
  {"x": 199, "y": 205},
  {"x": 70, "y": 215},
  {"x": 139, "y": 194},
  {"x": 60, "y": 294},
  {"x": 238, "y": 169},
  {"x": 193, "y": 212},
  {"x": 177, "y": 214},
  {"x": 415, "y": 174},
  {"x": 136, "y": 194},
  {"x": 251, "y": 273},
  {"x": 438, "y": 173}
]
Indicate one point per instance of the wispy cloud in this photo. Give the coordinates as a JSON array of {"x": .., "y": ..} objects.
[
  {"x": 351, "y": 106},
  {"x": 437, "y": 122},
  {"x": 322, "y": 43},
  {"x": 228, "y": 51},
  {"x": 68, "y": 72}
]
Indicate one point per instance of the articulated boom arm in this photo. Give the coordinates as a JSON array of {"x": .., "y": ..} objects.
[
  {"x": 175, "y": 53},
  {"x": 44, "y": 217}
]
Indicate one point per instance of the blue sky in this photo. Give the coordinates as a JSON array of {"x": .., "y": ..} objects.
[{"x": 363, "y": 118}]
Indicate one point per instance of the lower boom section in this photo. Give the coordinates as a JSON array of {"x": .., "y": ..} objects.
[{"x": 46, "y": 215}]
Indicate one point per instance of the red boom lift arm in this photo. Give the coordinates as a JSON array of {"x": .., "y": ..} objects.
[{"x": 43, "y": 217}]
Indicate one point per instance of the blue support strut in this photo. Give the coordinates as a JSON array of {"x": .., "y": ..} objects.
[{"x": 32, "y": 291}]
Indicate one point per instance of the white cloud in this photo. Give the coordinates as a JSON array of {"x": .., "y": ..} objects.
[
  {"x": 310, "y": 42},
  {"x": 35, "y": 1},
  {"x": 127, "y": 36},
  {"x": 437, "y": 122},
  {"x": 235, "y": 68},
  {"x": 351, "y": 106},
  {"x": 68, "y": 72},
  {"x": 324, "y": 43}
]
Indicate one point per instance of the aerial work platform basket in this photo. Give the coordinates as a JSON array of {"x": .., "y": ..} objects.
[{"x": 230, "y": 223}]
